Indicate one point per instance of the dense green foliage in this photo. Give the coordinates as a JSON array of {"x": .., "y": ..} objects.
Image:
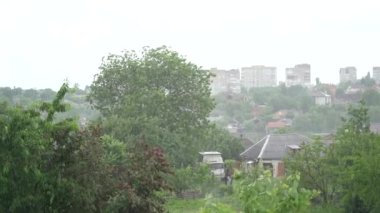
[
  {"x": 318, "y": 120},
  {"x": 75, "y": 98},
  {"x": 346, "y": 171},
  {"x": 137, "y": 174},
  {"x": 54, "y": 166},
  {"x": 41, "y": 161},
  {"x": 251, "y": 110},
  {"x": 260, "y": 192},
  {"x": 163, "y": 97},
  {"x": 311, "y": 161},
  {"x": 154, "y": 110},
  {"x": 193, "y": 178}
]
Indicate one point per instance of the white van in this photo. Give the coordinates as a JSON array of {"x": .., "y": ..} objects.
[{"x": 215, "y": 162}]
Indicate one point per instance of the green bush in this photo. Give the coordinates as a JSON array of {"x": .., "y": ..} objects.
[
  {"x": 268, "y": 194},
  {"x": 193, "y": 178},
  {"x": 216, "y": 207}
]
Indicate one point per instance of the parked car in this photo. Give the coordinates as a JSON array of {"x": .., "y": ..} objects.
[{"x": 215, "y": 162}]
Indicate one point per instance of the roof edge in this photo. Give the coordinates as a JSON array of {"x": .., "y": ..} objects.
[
  {"x": 263, "y": 148},
  {"x": 249, "y": 148}
]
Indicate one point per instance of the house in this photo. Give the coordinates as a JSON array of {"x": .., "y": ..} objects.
[
  {"x": 271, "y": 151},
  {"x": 274, "y": 126},
  {"x": 280, "y": 114},
  {"x": 322, "y": 98},
  {"x": 258, "y": 110},
  {"x": 246, "y": 143}
]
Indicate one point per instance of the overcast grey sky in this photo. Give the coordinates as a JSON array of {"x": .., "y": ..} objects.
[{"x": 44, "y": 42}]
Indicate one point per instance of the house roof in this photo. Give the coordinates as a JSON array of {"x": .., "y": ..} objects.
[
  {"x": 253, "y": 151},
  {"x": 273, "y": 146},
  {"x": 320, "y": 94},
  {"x": 276, "y": 124},
  {"x": 210, "y": 153},
  {"x": 246, "y": 143}
]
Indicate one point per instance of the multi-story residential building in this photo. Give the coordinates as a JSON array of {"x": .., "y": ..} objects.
[
  {"x": 376, "y": 74},
  {"x": 299, "y": 75},
  {"x": 225, "y": 81},
  {"x": 347, "y": 74},
  {"x": 258, "y": 76}
]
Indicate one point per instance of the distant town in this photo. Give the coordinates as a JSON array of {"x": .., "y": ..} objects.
[
  {"x": 252, "y": 103},
  {"x": 234, "y": 80}
]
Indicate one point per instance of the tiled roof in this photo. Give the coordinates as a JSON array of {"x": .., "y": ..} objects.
[
  {"x": 276, "y": 124},
  {"x": 273, "y": 147},
  {"x": 253, "y": 151},
  {"x": 246, "y": 143}
]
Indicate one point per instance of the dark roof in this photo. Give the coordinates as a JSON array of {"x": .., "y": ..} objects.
[
  {"x": 252, "y": 152},
  {"x": 273, "y": 146},
  {"x": 246, "y": 143}
]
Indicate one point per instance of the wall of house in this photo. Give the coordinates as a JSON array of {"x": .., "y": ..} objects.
[
  {"x": 321, "y": 101},
  {"x": 278, "y": 168}
]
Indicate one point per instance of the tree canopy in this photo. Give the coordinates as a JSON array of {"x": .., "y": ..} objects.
[
  {"x": 346, "y": 170},
  {"x": 157, "y": 94},
  {"x": 158, "y": 84}
]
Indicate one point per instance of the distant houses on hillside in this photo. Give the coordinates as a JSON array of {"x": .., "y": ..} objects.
[{"x": 322, "y": 98}]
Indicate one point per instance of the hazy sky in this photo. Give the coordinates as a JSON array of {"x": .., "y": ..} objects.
[{"x": 44, "y": 42}]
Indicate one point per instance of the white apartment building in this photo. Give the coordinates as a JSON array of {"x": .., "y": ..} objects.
[
  {"x": 376, "y": 74},
  {"x": 258, "y": 76},
  {"x": 225, "y": 81},
  {"x": 347, "y": 74},
  {"x": 298, "y": 75}
]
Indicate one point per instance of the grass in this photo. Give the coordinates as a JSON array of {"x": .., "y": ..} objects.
[{"x": 176, "y": 205}]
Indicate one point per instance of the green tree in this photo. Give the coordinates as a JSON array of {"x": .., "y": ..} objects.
[
  {"x": 220, "y": 140},
  {"x": 371, "y": 97},
  {"x": 160, "y": 84},
  {"x": 267, "y": 194},
  {"x": 138, "y": 174},
  {"x": 158, "y": 94},
  {"x": 313, "y": 164},
  {"x": 21, "y": 150},
  {"x": 356, "y": 152},
  {"x": 51, "y": 165},
  {"x": 47, "y": 166},
  {"x": 367, "y": 81},
  {"x": 346, "y": 171}
]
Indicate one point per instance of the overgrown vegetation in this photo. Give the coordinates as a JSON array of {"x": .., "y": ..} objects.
[
  {"x": 144, "y": 147},
  {"x": 345, "y": 172},
  {"x": 154, "y": 112},
  {"x": 53, "y": 166}
]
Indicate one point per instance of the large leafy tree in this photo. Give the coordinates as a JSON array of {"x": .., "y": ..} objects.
[
  {"x": 21, "y": 149},
  {"x": 159, "y": 84},
  {"x": 313, "y": 163},
  {"x": 158, "y": 94},
  {"x": 54, "y": 166},
  {"x": 47, "y": 166},
  {"x": 357, "y": 155},
  {"x": 345, "y": 172},
  {"x": 138, "y": 173}
]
